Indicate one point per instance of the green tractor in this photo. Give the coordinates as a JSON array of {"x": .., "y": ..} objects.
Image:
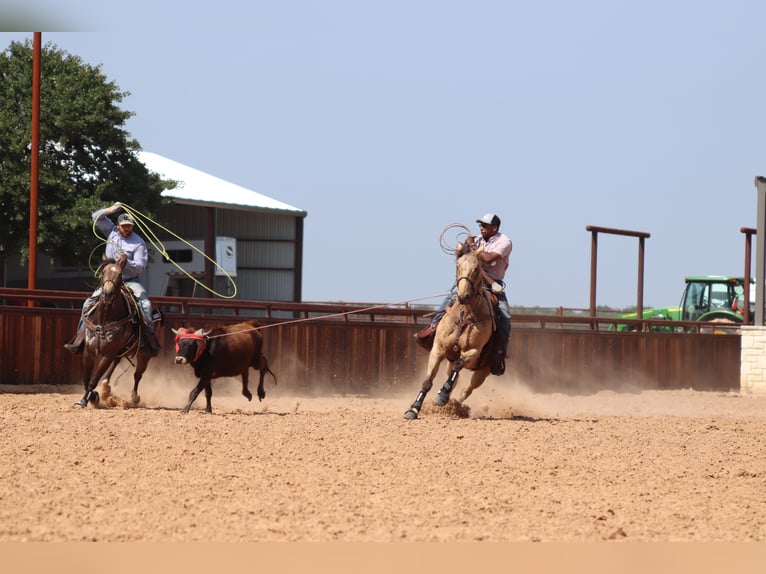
[{"x": 705, "y": 298}]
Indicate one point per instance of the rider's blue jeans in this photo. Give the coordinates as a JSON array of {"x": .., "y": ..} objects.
[{"x": 141, "y": 296}]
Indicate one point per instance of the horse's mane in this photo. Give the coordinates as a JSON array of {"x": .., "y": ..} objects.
[{"x": 465, "y": 249}]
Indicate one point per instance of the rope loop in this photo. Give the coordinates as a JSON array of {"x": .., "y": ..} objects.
[
  {"x": 462, "y": 235},
  {"x": 143, "y": 222}
]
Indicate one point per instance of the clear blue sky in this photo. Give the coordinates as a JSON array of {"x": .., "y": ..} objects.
[{"x": 388, "y": 120}]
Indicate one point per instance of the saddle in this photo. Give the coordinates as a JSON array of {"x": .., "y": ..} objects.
[
  {"x": 135, "y": 316},
  {"x": 491, "y": 353}
]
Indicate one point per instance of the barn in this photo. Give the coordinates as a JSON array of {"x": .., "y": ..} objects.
[
  {"x": 255, "y": 240},
  {"x": 258, "y": 239}
]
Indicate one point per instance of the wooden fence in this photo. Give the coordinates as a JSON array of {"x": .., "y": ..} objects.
[{"x": 370, "y": 350}]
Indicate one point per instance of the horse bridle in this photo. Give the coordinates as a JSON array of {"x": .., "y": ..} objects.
[
  {"x": 105, "y": 297},
  {"x": 470, "y": 280}
]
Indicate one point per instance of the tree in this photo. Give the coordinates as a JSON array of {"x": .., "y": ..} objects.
[{"x": 86, "y": 159}]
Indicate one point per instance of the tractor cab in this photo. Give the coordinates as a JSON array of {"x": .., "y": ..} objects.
[{"x": 711, "y": 298}]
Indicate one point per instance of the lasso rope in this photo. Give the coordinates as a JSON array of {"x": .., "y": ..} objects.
[
  {"x": 447, "y": 248},
  {"x": 149, "y": 235},
  {"x": 142, "y": 222},
  {"x": 332, "y": 315}
]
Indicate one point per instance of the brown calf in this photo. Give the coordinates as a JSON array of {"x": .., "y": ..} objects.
[{"x": 222, "y": 352}]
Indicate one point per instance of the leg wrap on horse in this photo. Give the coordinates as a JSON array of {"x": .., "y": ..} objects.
[{"x": 443, "y": 397}]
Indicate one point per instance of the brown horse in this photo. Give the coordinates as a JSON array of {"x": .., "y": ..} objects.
[
  {"x": 462, "y": 334},
  {"x": 112, "y": 331}
]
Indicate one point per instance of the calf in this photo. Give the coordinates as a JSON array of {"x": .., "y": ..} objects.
[{"x": 222, "y": 352}]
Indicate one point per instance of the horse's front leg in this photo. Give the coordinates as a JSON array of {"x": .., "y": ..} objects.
[
  {"x": 443, "y": 397},
  {"x": 434, "y": 360},
  {"x": 91, "y": 396},
  {"x": 414, "y": 410},
  {"x": 87, "y": 368}
]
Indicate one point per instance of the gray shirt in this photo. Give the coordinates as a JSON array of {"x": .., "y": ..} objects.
[{"x": 133, "y": 245}]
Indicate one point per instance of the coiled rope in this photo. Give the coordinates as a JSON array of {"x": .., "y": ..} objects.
[
  {"x": 446, "y": 248},
  {"x": 461, "y": 237},
  {"x": 142, "y": 222}
]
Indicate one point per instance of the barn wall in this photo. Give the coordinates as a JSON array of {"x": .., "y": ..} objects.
[{"x": 268, "y": 248}]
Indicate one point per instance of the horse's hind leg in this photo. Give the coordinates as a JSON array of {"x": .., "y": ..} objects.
[
  {"x": 443, "y": 397},
  {"x": 412, "y": 412},
  {"x": 477, "y": 379}
]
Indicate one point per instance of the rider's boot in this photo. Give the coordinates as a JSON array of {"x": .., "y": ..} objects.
[
  {"x": 154, "y": 344},
  {"x": 498, "y": 362},
  {"x": 77, "y": 343},
  {"x": 497, "y": 366}
]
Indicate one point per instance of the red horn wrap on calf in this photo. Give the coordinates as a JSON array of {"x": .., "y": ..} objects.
[{"x": 192, "y": 335}]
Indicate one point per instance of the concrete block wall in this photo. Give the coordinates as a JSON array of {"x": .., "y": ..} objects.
[{"x": 753, "y": 360}]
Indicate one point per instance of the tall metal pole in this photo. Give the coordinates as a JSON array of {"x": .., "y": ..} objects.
[
  {"x": 34, "y": 175},
  {"x": 593, "y": 269},
  {"x": 210, "y": 234},
  {"x": 749, "y": 232},
  {"x": 642, "y": 236},
  {"x": 640, "y": 286},
  {"x": 760, "y": 248}
]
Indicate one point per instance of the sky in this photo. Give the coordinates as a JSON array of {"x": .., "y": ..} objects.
[{"x": 387, "y": 121}]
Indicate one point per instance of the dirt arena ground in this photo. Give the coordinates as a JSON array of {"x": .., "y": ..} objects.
[{"x": 516, "y": 466}]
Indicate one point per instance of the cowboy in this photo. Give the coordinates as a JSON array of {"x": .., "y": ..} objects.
[
  {"x": 495, "y": 252},
  {"x": 121, "y": 238}
]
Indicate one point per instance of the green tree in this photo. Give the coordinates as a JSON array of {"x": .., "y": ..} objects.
[{"x": 87, "y": 159}]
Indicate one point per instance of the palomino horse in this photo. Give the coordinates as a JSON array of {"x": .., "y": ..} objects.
[
  {"x": 462, "y": 334},
  {"x": 112, "y": 331}
]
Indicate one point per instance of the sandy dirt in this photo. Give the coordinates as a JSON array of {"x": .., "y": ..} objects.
[{"x": 514, "y": 466}]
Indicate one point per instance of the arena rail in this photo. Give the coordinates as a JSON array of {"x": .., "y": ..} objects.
[{"x": 369, "y": 348}]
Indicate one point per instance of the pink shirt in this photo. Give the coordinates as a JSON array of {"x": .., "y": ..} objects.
[{"x": 498, "y": 243}]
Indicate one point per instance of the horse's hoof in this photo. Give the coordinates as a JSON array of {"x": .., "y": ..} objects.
[
  {"x": 441, "y": 400},
  {"x": 411, "y": 415},
  {"x": 94, "y": 398},
  {"x": 81, "y": 403}
]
